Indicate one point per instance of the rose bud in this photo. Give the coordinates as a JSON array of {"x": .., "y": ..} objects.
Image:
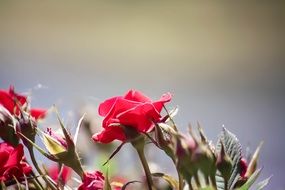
[
  {"x": 54, "y": 142},
  {"x": 253, "y": 162},
  {"x": 204, "y": 159},
  {"x": 184, "y": 150},
  {"x": 27, "y": 126},
  {"x": 62, "y": 149},
  {"x": 224, "y": 164},
  {"x": 7, "y": 130}
]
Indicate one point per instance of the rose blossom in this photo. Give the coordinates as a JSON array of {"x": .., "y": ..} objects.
[
  {"x": 12, "y": 162},
  {"x": 11, "y": 100},
  {"x": 134, "y": 109},
  {"x": 53, "y": 172},
  {"x": 92, "y": 181}
]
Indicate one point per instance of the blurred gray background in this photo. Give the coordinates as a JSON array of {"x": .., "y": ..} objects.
[{"x": 223, "y": 61}]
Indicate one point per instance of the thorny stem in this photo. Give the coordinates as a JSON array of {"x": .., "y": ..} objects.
[
  {"x": 138, "y": 144},
  {"x": 226, "y": 185},
  {"x": 180, "y": 180},
  {"x": 213, "y": 182},
  {"x": 146, "y": 168},
  {"x": 32, "y": 155},
  {"x": 180, "y": 177},
  {"x": 36, "y": 181},
  {"x": 196, "y": 177}
]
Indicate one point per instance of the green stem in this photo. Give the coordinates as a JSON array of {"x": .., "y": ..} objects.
[
  {"x": 36, "y": 181},
  {"x": 32, "y": 155},
  {"x": 180, "y": 180},
  {"x": 189, "y": 183},
  {"x": 180, "y": 177},
  {"x": 196, "y": 177},
  {"x": 226, "y": 185},
  {"x": 138, "y": 143},
  {"x": 146, "y": 168},
  {"x": 213, "y": 182}
]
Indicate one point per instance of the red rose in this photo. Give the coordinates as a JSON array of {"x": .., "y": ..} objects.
[
  {"x": 53, "y": 172},
  {"x": 10, "y": 100},
  {"x": 131, "y": 110},
  {"x": 92, "y": 181},
  {"x": 12, "y": 162}
]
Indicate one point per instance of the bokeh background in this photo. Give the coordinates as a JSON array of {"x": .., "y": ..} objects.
[{"x": 223, "y": 61}]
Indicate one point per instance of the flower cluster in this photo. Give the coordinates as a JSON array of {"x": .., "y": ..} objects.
[{"x": 132, "y": 118}]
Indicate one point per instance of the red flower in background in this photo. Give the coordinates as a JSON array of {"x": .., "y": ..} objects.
[
  {"x": 243, "y": 167},
  {"x": 131, "y": 110},
  {"x": 92, "y": 181},
  {"x": 12, "y": 162},
  {"x": 10, "y": 100},
  {"x": 54, "y": 173}
]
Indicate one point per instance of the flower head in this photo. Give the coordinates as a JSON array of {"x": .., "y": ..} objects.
[
  {"x": 14, "y": 102},
  {"x": 12, "y": 162},
  {"x": 92, "y": 181},
  {"x": 133, "y": 110},
  {"x": 54, "y": 172}
]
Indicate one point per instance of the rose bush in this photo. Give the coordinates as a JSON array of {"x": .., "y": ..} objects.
[
  {"x": 12, "y": 162},
  {"x": 133, "y": 118},
  {"x": 134, "y": 110}
]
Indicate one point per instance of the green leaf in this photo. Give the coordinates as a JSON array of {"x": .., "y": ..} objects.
[
  {"x": 38, "y": 148},
  {"x": 114, "y": 153},
  {"x": 233, "y": 150},
  {"x": 263, "y": 183},
  {"x": 250, "y": 180},
  {"x": 170, "y": 180}
]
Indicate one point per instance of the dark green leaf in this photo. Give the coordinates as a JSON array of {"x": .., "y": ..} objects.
[
  {"x": 114, "y": 153},
  {"x": 233, "y": 150}
]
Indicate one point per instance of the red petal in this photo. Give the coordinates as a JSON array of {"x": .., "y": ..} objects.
[
  {"x": 141, "y": 117},
  {"x": 105, "y": 107},
  {"x": 164, "y": 98},
  {"x": 22, "y": 99},
  {"x": 120, "y": 105},
  {"x": 109, "y": 134},
  {"x": 7, "y": 99},
  {"x": 38, "y": 113},
  {"x": 136, "y": 96},
  {"x": 15, "y": 156}
]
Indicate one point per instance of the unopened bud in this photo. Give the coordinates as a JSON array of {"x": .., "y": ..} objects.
[
  {"x": 7, "y": 130},
  {"x": 27, "y": 126},
  {"x": 253, "y": 162},
  {"x": 224, "y": 164},
  {"x": 204, "y": 159}
]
